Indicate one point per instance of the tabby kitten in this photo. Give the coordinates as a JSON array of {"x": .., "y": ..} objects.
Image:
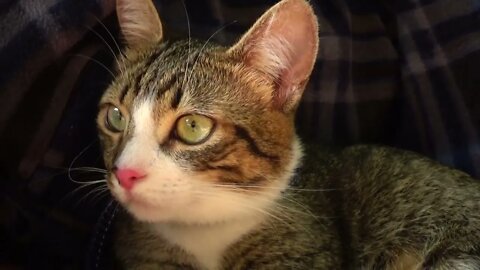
[{"x": 201, "y": 150}]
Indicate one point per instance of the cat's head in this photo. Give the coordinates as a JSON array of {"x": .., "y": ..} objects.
[{"x": 197, "y": 133}]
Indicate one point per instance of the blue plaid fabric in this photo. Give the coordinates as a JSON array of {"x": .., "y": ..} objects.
[
  {"x": 401, "y": 72},
  {"x": 49, "y": 88},
  {"x": 41, "y": 58}
]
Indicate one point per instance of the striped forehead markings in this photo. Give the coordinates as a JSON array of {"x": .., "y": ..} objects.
[
  {"x": 177, "y": 96},
  {"x": 133, "y": 85},
  {"x": 142, "y": 69},
  {"x": 166, "y": 83},
  {"x": 124, "y": 92}
]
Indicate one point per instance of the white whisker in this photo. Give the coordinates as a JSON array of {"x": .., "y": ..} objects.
[
  {"x": 189, "y": 44},
  {"x": 277, "y": 188},
  {"x": 203, "y": 47},
  {"x": 110, "y": 34},
  {"x": 247, "y": 204},
  {"x": 285, "y": 197},
  {"x": 83, "y": 186},
  {"x": 75, "y": 159},
  {"x": 88, "y": 169},
  {"x": 108, "y": 46},
  {"x": 93, "y": 191},
  {"x": 100, "y": 195},
  {"x": 95, "y": 61}
]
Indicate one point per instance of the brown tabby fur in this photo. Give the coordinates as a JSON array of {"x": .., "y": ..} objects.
[
  {"x": 162, "y": 70},
  {"x": 364, "y": 207}
]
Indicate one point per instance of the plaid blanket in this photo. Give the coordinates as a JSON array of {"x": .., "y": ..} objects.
[{"x": 399, "y": 72}]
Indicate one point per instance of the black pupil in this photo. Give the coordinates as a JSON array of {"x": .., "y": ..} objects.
[{"x": 193, "y": 124}]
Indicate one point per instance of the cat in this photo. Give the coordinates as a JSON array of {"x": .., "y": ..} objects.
[{"x": 201, "y": 150}]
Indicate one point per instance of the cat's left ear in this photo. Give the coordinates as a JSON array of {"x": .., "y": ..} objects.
[
  {"x": 139, "y": 22},
  {"x": 282, "y": 46}
]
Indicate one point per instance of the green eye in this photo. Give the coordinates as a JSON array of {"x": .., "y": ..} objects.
[
  {"x": 194, "y": 128},
  {"x": 115, "y": 120}
]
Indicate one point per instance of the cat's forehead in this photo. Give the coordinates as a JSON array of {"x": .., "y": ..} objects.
[
  {"x": 179, "y": 59},
  {"x": 184, "y": 67}
]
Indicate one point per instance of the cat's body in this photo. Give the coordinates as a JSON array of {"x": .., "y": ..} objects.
[
  {"x": 201, "y": 149},
  {"x": 367, "y": 207}
]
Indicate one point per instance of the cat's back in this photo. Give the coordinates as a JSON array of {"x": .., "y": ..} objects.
[
  {"x": 372, "y": 170},
  {"x": 373, "y": 206},
  {"x": 386, "y": 197}
]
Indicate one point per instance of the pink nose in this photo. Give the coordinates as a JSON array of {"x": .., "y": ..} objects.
[{"x": 129, "y": 177}]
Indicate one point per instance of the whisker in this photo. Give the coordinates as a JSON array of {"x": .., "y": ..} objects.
[
  {"x": 82, "y": 186},
  {"x": 88, "y": 169},
  {"x": 93, "y": 191},
  {"x": 108, "y": 46},
  {"x": 63, "y": 171},
  {"x": 80, "y": 169},
  {"x": 110, "y": 34},
  {"x": 301, "y": 205},
  {"x": 245, "y": 203},
  {"x": 86, "y": 182},
  {"x": 204, "y": 46},
  {"x": 100, "y": 195},
  {"x": 189, "y": 44},
  {"x": 95, "y": 61},
  {"x": 93, "y": 182},
  {"x": 75, "y": 159},
  {"x": 285, "y": 197},
  {"x": 278, "y": 188}
]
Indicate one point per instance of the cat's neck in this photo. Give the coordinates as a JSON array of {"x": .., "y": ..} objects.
[{"x": 207, "y": 243}]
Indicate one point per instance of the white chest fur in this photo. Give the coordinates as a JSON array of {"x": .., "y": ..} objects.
[{"x": 207, "y": 242}]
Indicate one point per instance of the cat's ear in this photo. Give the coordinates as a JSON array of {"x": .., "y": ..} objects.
[
  {"x": 282, "y": 46},
  {"x": 139, "y": 22}
]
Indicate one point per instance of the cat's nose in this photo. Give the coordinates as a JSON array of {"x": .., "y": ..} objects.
[{"x": 128, "y": 177}]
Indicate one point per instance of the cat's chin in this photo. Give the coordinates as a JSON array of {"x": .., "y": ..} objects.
[{"x": 146, "y": 211}]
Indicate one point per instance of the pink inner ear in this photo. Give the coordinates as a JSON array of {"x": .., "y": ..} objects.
[{"x": 283, "y": 45}]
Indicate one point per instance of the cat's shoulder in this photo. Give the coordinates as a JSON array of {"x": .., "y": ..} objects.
[
  {"x": 378, "y": 157},
  {"x": 377, "y": 161}
]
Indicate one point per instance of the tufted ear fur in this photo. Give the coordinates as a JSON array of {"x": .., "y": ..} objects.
[
  {"x": 139, "y": 22},
  {"x": 282, "y": 46}
]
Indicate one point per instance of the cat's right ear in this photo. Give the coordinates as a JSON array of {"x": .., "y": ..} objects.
[
  {"x": 139, "y": 22},
  {"x": 282, "y": 46}
]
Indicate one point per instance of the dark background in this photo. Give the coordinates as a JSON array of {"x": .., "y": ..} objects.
[{"x": 47, "y": 222}]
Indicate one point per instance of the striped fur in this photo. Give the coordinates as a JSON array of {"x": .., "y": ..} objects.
[
  {"x": 227, "y": 203},
  {"x": 247, "y": 160},
  {"x": 249, "y": 130}
]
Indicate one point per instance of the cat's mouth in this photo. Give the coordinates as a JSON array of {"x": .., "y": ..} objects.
[
  {"x": 148, "y": 200},
  {"x": 148, "y": 203},
  {"x": 145, "y": 209},
  {"x": 132, "y": 200}
]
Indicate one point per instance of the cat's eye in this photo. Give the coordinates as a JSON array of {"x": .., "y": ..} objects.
[
  {"x": 115, "y": 120},
  {"x": 194, "y": 128}
]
